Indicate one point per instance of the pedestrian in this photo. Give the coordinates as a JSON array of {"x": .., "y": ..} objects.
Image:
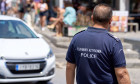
[
  {"x": 60, "y": 12},
  {"x": 82, "y": 9},
  {"x": 43, "y": 7},
  {"x": 21, "y": 9},
  {"x": 36, "y": 7},
  {"x": 9, "y": 7},
  {"x": 3, "y": 7},
  {"x": 27, "y": 16},
  {"x": 33, "y": 11},
  {"x": 67, "y": 17},
  {"x": 56, "y": 21},
  {"x": 97, "y": 55},
  {"x": 70, "y": 14}
]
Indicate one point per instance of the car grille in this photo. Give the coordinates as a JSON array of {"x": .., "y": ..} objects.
[{"x": 12, "y": 66}]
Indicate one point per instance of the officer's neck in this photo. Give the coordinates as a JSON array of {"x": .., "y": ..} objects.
[{"x": 100, "y": 26}]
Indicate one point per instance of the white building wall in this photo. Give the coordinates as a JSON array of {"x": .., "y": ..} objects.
[
  {"x": 124, "y": 5},
  {"x": 61, "y": 3}
]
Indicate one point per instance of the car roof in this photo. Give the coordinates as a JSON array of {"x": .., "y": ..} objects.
[{"x": 5, "y": 17}]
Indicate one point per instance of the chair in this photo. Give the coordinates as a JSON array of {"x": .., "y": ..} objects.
[{"x": 133, "y": 25}]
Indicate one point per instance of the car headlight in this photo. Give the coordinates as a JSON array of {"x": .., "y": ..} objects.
[{"x": 50, "y": 54}]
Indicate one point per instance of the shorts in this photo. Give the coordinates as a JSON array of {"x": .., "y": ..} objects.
[{"x": 45, "y": 13}]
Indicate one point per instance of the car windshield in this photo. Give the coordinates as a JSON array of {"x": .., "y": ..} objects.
[{"x": 15, "y": 29}]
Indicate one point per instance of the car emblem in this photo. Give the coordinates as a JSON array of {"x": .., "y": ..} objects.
[{"x": 26, "y": 53}]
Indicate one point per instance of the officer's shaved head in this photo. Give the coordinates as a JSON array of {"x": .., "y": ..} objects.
[{"x": 102, "y": 14}]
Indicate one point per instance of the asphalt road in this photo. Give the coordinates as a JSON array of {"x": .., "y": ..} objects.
[{"x": 60, "y": 61}]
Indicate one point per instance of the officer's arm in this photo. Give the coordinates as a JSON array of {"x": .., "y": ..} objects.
[
  {"x": 70, "y": 73},
  {"x": 122, "y": 75}
]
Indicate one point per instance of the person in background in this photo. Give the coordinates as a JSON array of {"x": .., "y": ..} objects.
[
  {"x": 137, "y": 8},
  {"x": 95, "y": 54},
  {"x": 51, "y": 12},
  {"x": 82, "y": 9},
  {"x": 43, "y": 8},
  {"x": 9, "y": 7},
  {"x": 70, "y": 14},
  {"x": 84, "y": 16},
  {"x": 69, "y": 17},
  {"x": 33, "y": 11},
  {"x": 36, "y": 8},
  {"x": 28, "y": 6},
  {"x": 36, "y": 5},
  {"x": 3, "y": 7},
  {"x": 27, "y": 16},
  {"x": 60, "y": 12},
  {"x": 137, "y": 11},
  {"x": 21, "y": 9},
  {"x": 75, "y": 4}
]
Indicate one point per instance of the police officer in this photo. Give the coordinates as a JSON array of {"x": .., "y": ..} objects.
[{"x": 96, "y": 55}]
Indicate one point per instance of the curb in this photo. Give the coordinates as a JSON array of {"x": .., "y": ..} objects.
[
  {"x": 135, "y": 42},
  {"x": 56, "y": 42},
  {"x": 62, "y": 42}
]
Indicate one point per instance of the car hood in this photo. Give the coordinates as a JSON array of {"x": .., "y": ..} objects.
[{"x": 23, "y": 48}]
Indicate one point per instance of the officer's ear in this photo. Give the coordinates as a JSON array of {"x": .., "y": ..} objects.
[
  {"x": 110, "y": 21},
  {"x": 92, "y": 18}
]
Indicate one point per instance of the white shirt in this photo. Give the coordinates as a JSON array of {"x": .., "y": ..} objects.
[{"x": 43, "y": 7}]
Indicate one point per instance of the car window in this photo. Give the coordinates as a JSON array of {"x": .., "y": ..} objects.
[
  {"x": 22, "y": 30},
  {"x": 11, "y": 28},
  {"x": 15, "y": 29}
]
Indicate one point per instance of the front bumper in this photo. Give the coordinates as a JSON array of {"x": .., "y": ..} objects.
[
  {"x": 26, "y": 79},
  {"x": 6, "y": 76}
]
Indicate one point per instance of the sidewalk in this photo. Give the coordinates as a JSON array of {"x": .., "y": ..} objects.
[
  {"x": 64, "y": 42},
  {"x": 128, "y": 35}
]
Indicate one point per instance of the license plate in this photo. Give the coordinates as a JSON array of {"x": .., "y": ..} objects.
[{"x": 24, "y": 67}]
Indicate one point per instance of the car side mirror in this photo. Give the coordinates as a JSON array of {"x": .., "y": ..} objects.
[{"x": 39, "y": 35}]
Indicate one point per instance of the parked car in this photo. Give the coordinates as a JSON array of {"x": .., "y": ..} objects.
[{"x": 24, "y": 55}]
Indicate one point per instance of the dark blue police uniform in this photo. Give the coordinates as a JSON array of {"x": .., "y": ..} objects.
[{"x": 96, "y": 53}]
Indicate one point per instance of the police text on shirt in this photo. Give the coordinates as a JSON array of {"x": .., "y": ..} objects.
[{"x": 88, "y": 53}]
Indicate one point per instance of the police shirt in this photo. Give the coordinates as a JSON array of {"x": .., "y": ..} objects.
[{"x": 96, "y": 53}]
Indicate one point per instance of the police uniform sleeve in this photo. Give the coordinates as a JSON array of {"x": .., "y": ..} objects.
[
  {"x": 118, "y": 55},
  {"x": 70, "y": 53}
]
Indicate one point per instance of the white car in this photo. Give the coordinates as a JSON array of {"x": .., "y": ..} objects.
[{"x": 24, "y": 55}]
